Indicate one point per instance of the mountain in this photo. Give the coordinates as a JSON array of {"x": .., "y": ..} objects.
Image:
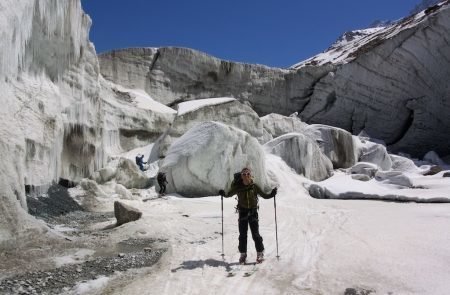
[
  {"x": 73, "y": 118},
  {"x": 424, "y": 5},
  {"x": 388, "y": 81}
]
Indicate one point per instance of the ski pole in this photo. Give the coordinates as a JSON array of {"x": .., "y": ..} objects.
[
  {"x": 221, "y": 198},
  {"x": 276, "y": 227}
]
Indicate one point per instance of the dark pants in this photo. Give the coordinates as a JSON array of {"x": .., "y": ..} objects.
[
  {"x": 249, "y": 217},
  {"x": 162, "y": 188},
  {"x": 141, "y": 166}
]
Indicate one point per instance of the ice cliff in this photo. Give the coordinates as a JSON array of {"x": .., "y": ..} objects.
[
  {"x": 59, "y": 118},
  {"x": 390, "y": 81}
]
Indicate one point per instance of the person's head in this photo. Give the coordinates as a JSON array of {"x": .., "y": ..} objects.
[{"x": 246, "y": 175}]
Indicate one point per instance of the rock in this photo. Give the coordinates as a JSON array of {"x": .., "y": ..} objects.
[
  {"x": 446, "y": 174},
  {"x": 335, "y": 143},
  {"x": 125, "y": 213},
  {"x": 204, "y": 159},
  {"x": 317, "y": 192},
  {"x": 433, "y": 170},
  {"x": 302, "y": 154},
  {"x": 361, "y": 177},
  {"x": 129, "y": 175},
  {"x": 121, "y": 255}
]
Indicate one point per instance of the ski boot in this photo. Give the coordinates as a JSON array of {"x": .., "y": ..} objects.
[
  {"x": 243, "y": 258},
  {"x": 259, "y": 257}
]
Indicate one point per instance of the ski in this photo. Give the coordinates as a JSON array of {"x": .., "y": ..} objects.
[
  {"x": 248, "y": 271},
  {"x": 251, "y": 271}
]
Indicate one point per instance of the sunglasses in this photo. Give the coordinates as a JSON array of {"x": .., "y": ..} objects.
[{"x": 246, "y": 174}]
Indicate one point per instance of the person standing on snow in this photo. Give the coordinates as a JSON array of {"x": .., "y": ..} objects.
[
  {"x": 162, "y": 180},
  {"x": 140, "y": 161},
  {"x": 247, "y": 192}
]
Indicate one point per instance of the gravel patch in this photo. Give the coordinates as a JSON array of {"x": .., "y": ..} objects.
[{"x": 136, "y": 253}]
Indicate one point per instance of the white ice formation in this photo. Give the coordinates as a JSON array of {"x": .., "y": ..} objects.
[
  {"x": 302, "y": 154},
  {"x": 204, "y": 159},
  {"x": 67, "y": 113},
  {"x": 276, "y": 125},
  {"x": 59, "y": 118},
  {"x": 390, "y": 82}
]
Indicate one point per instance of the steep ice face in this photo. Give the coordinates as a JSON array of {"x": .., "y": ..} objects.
[
  {"x": 335, "y": 143},
  {"x": 48, "y": 77},
  {"x": 59, "y": 119},
  {"x": 221, "y": 109},
  {"x": 41, "y": 36},
  {"x": 390, "y": 81},
  {"x": 302, "y": 154},
  {"x": 277, "y": 125}
]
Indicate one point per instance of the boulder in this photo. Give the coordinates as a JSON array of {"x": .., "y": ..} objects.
[
  {"x": 433, "y": 170},
  {"x": 204, "y": 159},
  {"x": 446, "y": 174},
  {"x": 302, "y": 154},
  {"x": 125, "y": 213},
  {"x": 361, "y": 177},
  {"x": 129, "y": 175}
]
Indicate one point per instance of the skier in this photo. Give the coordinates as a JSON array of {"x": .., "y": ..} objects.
[
  {"x": 140, "y": 161},
  {"x": 247, "y": 192},
  {"x": 161, "y": 178}
]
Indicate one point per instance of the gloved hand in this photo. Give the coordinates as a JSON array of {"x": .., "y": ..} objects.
[
  {"x": 273, "y": 193},
  {"x": 222, "y": 193}
]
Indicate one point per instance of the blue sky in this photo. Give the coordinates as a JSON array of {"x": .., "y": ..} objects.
[{"x": 276, "y": 33}]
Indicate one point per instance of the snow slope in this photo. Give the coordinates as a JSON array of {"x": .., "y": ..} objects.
[{"x": 325, "y": 246}]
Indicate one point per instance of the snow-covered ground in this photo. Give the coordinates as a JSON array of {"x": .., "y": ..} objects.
[{"x": 325, "y": 246}]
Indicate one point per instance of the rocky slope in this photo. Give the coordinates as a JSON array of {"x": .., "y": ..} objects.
[{"x": 390, "y": 82}]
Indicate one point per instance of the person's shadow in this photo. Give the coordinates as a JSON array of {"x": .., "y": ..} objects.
[{"x": 193, "y": 264}]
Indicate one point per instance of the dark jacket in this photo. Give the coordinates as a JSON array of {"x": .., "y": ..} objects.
[
  {"x": 161, "y": 178},
  {"x": 247, "y": 194},
  {"x": 140, "y": 160}
]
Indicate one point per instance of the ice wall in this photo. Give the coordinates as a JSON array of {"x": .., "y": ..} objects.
[
  {"x": 59, "y": 118},
  {"x": 390, "y": 82}
]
